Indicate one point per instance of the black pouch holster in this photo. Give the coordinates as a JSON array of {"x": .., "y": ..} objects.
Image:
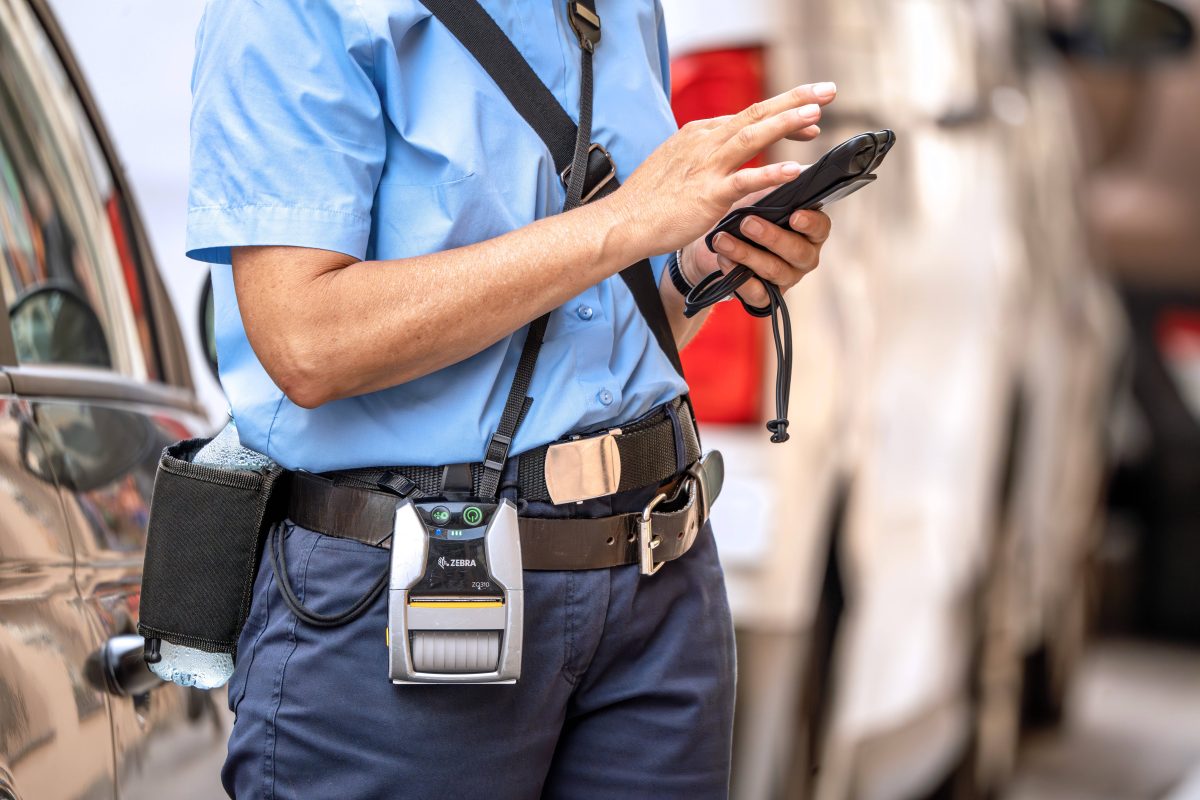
[{"x": 207, "y": 528}]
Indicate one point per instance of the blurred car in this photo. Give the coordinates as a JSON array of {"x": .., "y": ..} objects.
[
  {"x": 93, "y": 383},
  {"x": 1143, "y": 199},
  {"x": 773, "y": 519},
  {"x": 909, "y": 574}
]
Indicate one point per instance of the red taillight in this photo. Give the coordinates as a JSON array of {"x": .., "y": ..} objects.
[
  {"x": 1178, "y": 334},
  {"x": 724, "y": 363}
]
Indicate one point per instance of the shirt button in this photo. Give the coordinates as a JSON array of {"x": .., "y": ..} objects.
[
  {"x": 585, "y": 312},
  {"x": 605, "y": 397}
]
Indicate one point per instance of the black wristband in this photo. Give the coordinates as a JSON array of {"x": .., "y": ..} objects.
[{"x": 676, "y": 272}]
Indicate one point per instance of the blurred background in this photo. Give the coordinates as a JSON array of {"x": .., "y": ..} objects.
[{"x": 973, "y": 572}]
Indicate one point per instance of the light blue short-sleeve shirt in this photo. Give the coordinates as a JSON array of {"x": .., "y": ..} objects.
[{"x": 364, "y": 127}]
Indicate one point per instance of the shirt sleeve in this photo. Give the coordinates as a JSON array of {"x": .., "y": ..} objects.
[{"x": 287, "y": 129}]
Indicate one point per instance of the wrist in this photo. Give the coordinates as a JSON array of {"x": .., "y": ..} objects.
[
  {"x": 622, "y": 242},
  {"x": 688, "y": 265}
]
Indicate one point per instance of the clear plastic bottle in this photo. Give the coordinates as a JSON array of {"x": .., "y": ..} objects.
[{"x": 189, "y": 666}]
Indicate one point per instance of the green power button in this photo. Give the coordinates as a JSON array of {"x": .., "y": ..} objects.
[{"x": 472, "y": 515}]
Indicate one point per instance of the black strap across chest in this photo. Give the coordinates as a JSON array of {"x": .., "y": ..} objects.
[
  {"x": 494, "y": 51},
  {"x": 570, "y": 147}
]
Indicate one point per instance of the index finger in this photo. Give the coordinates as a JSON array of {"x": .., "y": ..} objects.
[{"x": 819, "y": 93}]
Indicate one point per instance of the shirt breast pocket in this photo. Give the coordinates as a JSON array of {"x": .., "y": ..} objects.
[{"x": 418, "y": 219}]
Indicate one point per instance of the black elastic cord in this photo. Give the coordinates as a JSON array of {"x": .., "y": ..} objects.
[
  {"x": 302, "y": 612},
  {"x": 390, "y": 482},
  {"x": 715, "y": 288}
]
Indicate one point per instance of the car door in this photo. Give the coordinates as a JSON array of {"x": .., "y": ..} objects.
[
  {"x": 105, "y": 450},
  {"x": 97, "y": 363},
  {"x": 50, "y": 715}
]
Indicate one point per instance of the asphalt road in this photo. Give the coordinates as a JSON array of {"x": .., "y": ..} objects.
[{"x": 1132, "y": 730}]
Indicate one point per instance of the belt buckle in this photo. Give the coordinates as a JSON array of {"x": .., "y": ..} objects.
[
  {"x": 647, "y": 541},
  {"x": 583, "y": 468},
  {"x": 702, "y": 484}
]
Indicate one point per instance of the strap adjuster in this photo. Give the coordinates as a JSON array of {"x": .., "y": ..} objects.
[
  {"x": 585, "y": 23},
  {"x": 497, "y": 452},
  {"x": 603, "y": 180}
]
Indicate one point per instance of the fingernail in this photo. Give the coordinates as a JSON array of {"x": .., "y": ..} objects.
[
  {"x": 725, "y": 243},
  {"x": 790, "y": 168},
  {"x": 826, "y": 89},
  {"x": 752, "y": 226},
  {"x": 809, "y": 111},
  {"x": 797, "y": 219}
]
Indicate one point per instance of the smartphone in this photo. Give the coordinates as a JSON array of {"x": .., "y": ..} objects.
[{"x": 839, "y": 173}]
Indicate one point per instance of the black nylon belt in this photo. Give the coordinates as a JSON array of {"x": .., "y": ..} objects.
[
  {"x": 649, "y": 449},
  {"x": 368, "y": 516}
]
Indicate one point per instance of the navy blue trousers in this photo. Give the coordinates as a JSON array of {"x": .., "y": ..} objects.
[{"x": 626, "y": 688}]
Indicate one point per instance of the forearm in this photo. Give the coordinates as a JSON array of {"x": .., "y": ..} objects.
[{"x": 327, "y": 327}]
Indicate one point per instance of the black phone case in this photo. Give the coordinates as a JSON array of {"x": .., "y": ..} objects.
[{"x": 840, "y": 172}]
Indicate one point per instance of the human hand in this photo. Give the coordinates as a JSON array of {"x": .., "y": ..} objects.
[
  {"x": 693, "y": 178},
  {"x": 788, "y": 257}
]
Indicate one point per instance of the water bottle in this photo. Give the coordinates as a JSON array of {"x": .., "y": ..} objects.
[{"x": 188, "y": 666}]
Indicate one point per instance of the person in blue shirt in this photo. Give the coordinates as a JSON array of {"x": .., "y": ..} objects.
[{"x": 383, "y": 226}]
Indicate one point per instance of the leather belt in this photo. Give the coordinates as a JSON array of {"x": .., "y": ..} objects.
[
  {"x": 637, "y": 454},
  {"x": 661, "y": 532}
]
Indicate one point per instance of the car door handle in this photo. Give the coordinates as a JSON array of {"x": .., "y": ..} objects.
[{"x": 119, "y": 667}]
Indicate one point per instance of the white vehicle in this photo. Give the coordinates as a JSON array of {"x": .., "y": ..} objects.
[{"x": 898, "y": 567}]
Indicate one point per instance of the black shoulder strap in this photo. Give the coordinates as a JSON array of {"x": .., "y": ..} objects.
[
  {"x": 499, "y": 57},
  {"x": 474, "y": 28}
]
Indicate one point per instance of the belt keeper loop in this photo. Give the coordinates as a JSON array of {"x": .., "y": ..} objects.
[
  {"x": 681, "y": 462},
  {"x": 397, "y": 484}
]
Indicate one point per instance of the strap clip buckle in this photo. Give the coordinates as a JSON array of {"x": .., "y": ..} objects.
[
  {"x": 497, "y": 451},
  {"x": 603, "y": 180},
  {"x": 585, "y": 23}
]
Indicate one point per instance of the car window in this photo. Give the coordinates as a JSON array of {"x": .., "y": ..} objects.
[
  {"x": 105, "y": 458},
  {"x": 74, "y": 286}
]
